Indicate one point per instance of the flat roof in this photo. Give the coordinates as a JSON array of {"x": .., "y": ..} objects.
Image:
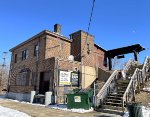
[{"x": 124, "y": 50}]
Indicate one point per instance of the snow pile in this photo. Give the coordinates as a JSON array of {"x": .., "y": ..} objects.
[
  {"x": 64, "y": 107},
  {"x": 6, "y": 112},
  {"x": 145, "y": 112},
  {"x": 82, "y": 110},
  {"x": 147, "y": 89},
  {"x": 35, "y": 104},
  {"x": 126, "y": 114},
  {"x": 59, "y": 106}
]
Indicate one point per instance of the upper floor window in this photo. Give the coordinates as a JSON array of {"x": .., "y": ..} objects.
[
  {"x": 25, "y": 54},
  {"x": 15, "y": 58},
  {"x": 36, "y": 49}
]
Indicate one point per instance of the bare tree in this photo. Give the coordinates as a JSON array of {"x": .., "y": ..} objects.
[
  {"x": 118, "y": 63},
  {"x": 4, "y": 75}
]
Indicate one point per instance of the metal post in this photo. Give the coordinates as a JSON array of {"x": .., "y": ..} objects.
[
  {"x": 136, "y": 55},
  {"x": 94, "y": 97},
  {"x": 110, "y": 63},
  {"x": 57, "y": 80},
  {"x": 133, "y": 92}
]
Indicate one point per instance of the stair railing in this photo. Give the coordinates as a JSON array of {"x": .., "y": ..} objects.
[
  {"x": 106, "y": 89},
  {"x": 145, "y": 68},
  {"x": 132, "y": 86},
  {"x": 127, "y": 67}
]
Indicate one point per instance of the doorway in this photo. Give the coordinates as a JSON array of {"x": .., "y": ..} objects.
[{"x": 44, "y": 82}]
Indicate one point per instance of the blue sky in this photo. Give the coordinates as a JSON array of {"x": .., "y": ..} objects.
[{"x": 115, "y": 23}]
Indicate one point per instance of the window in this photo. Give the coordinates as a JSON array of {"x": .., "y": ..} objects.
[
  {"x": 36, "y": 49},
  {"x": 23, "y": 79},
  {"x": 15, "y": 58},
  {"x": 25, "y": 54}
]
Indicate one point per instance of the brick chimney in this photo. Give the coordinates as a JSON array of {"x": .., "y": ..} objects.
[{"x": 57, "y": 28}]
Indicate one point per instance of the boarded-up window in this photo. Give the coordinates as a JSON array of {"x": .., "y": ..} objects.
[{"x": 23, "y": 78}]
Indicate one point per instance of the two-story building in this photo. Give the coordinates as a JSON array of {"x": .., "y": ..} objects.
[{"x": 38, "y": 62}]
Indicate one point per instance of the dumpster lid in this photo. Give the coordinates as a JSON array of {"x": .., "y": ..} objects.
[{"x": 85, "y": 90}]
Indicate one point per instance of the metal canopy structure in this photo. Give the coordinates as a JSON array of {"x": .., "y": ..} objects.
[{"x": 124, "y": 50}]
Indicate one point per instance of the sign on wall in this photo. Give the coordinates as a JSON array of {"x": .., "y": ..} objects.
[
  {"x": 64, "y": 78},
  {"x": 75, "y": 78}
]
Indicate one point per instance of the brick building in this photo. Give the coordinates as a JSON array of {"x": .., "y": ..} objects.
[{"x": 37, "y": 62}]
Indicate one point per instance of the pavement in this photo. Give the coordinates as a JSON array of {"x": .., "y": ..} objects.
[{"x": 44, "y": 111}]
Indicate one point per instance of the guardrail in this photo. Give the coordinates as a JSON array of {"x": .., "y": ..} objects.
[
  {"x": 138, "y": 77},
  {"x": 145, "y": 68},
  {"x": 105, "y": 90},
  {"x": 132, "y": 86}
]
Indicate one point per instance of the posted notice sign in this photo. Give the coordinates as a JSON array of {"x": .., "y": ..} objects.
[
  {"x": 75, "y": 78},
  {"x": 64, "y": 78}
]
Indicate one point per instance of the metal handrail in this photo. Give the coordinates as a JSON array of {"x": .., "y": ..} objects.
[
  {"x": 145, "y": 66},
  {"x": 104, "y": 88},
  {"x": 129, "y": 85},
  {"x": 133, "y": 79}
]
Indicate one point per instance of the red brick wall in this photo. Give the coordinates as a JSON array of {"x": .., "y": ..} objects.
[
  {"x": 94, "y": 57},
  {"x": 56, "y": 47},
  {"x": 76, "y": 45},
  {"x": 99, "y": 57},
  {"x": 50, "y": 48},
  {"x": 30, "y": 62}
]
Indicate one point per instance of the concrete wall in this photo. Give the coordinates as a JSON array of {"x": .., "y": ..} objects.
[
  {"x": 103, "y": 75},
  {"x": 19, "y": 96}
]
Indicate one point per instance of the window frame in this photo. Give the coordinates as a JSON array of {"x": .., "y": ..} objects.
[
  {"x": 36, "y": 49},
  {"x": 15, "y": 58},
  {"x": 25, "y": 54}
]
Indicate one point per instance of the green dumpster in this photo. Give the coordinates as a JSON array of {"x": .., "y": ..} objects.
[
  {"x": 80, "y": 99},
  {"x": 135, "y": 109}
]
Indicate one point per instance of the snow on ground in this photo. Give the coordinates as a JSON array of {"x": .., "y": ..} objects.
[
  {"x": 64, "y": 107},
  {"x": 145, "y": 112},
  {"x": 6, "y": 112},
  {"x": 147, "y": 89},
  {"x": 57, "y": 106}
]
